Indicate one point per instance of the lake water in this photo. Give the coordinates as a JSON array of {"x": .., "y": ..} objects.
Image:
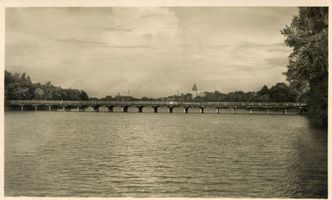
[{"x": 163, "y": 155}]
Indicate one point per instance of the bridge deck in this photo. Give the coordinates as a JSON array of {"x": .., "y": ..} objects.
[{"x": 155, "y": 103}]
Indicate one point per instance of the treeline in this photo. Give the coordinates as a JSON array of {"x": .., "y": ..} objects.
[
  {"x": 277, "y": 93},
  {"x": 307, "y": 70},
  {"x": 20, "y": 87}
]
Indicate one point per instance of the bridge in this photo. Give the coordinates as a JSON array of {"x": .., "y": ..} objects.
[{"x": 50, "y": 105}]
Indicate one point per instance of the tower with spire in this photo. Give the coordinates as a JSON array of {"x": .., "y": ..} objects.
[{"x": 194, "y": 90}]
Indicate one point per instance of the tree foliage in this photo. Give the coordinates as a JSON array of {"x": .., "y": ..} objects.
[
  {"x": 308, "y": 63},
  {"x": 277, "y": 93},
  {"x": 19, "y": 86}
]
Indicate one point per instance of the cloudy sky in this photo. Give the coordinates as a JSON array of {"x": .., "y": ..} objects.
[{"x": 149, "y": 51}]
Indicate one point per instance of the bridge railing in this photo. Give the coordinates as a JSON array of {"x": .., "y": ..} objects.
[
  {"x": 152, "y": 103},
  {"x": 252, "y": 104}
]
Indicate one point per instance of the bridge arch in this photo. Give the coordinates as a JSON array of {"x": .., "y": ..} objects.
[{"x": 170, "y": 106}]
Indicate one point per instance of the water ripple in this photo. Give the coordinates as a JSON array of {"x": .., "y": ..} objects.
[{"x": 163, "y": 155}]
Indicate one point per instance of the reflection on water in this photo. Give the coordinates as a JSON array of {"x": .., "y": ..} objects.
[{"x": 163, "y": 155}]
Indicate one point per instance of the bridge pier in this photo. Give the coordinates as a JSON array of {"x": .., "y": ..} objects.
[
  {"x": 125, "y": 109},
  {"x": 140, "y": 108},
  {"x": 300, "y": 111},
  {"x": 267, "y": 111},
  {"x": 66, "y": 108},
  {"x": 218, "y": 106},
  {"x": 155, "y": 109},
  {"x": 170, "y": 109},
  {"x": 110, "y": 108}
]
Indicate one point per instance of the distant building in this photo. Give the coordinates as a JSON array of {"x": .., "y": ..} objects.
[{"x": 195, "y": 92}]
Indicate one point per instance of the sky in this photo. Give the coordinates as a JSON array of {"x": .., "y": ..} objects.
[{"x": 150, "y": 51}]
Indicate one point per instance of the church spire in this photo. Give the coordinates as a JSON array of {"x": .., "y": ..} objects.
[{"x": 195, "y": 88}]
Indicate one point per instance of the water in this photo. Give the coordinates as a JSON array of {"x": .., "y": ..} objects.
[{"x": 163, "y": 155}]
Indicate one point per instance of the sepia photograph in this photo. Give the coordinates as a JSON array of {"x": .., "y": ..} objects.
[{"x": 190, "y": 101}]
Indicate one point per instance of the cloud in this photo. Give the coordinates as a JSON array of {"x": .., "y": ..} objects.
[
  {"x": 149, "y": 51},
  {"x": 98, "y": 44},
  {"x": 119, "y": 28},
  {"x": 258, "y": 45},
  {"x": 74, "y": 40},
  {"x": 277, "y": 61}
]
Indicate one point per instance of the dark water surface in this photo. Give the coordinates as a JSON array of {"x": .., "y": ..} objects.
[{"x": 163, "y": 155}]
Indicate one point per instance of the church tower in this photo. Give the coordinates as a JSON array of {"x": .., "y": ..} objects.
[{"x": 194, "y": 90}]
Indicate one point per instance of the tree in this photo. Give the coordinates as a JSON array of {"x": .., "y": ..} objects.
[
  {"x": 188, "y": 97},
  {"x": 48, "y": 90},
  {"x": 21, "y": 93},
  {"x": 282, "y": 93},
  {"x": 29, "y": 80},
  {"x": 250, "y": 96},
  {"x": 84, "y": 96},
  {"x": 237, "y": 96},
  {"x": 39, "y": 93},
  {"x": 108, "y": 98},
  {"x": 23, "y": 76},
  {"x": 263, "y": 98},
  {"x": 308, "y": 63},
  {"x": 20, "y": 86},
  {"x": 264, "y": 90}
]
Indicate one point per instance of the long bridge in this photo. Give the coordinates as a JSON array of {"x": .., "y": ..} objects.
[{"x": 170, "y": 105}]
